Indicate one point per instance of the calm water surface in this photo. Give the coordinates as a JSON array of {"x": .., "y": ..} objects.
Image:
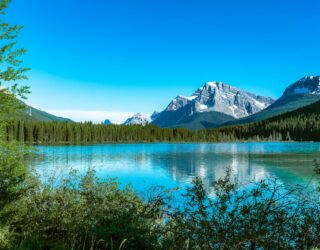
[{"x": 171, "y": 165}]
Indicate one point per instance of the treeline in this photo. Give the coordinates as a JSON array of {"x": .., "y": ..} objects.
[
  {"x": 298, "y": 128},
  {"x": 300, "y": 125},
  {"x": 77, "y": 133}
]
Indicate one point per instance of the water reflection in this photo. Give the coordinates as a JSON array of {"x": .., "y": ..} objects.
[{"x": 169, "y": 165}]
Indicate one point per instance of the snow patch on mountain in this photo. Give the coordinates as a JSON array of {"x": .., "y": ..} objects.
[
  {"x": 179, "y": 102},
  {"x": 190, "y": 98},
  {"x": 301, "y": 90}
]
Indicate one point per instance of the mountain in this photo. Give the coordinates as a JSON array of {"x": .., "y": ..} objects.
[
  {"x": 210, "y": 106},
  {"x": 299, "y": 94},
  {"x": 154, "y": 115},
  {"x": 34, "y": 114},
  {"x": 107, "y": 122},
  {"x": 138, "y": 119},
  {"x": 302, "y": 124}
]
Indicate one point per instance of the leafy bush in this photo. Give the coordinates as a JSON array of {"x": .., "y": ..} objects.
[
  {"x": 97, "y": 214},
  {"x": 262, "y": 216},
  {"x": 5, "y": 238},
  {"x": 90, "y": 214}
]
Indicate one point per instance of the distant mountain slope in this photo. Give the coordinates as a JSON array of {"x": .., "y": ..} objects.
[
  {"x": 107, "y": 122},
  {"x": 210, "y": 106},
  {"x": 204, "y": 120},
  {"x": 34, "y": 114},
  {"x": 306, "y": 111},
  {"x": 301, "y": 93}
]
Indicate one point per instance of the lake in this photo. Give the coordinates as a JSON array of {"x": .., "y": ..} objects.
[{"x": 171, "y": 165}]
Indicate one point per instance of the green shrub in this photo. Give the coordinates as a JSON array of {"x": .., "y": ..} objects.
[
  {"x": 90, "y": 213},
  {"x": 97, "y": 214},
  {"x": 6, "y": 238},
  {"x": 264, "y": 215}
]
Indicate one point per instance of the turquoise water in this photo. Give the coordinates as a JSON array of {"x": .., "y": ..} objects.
[{"x": 172, "y": 165}]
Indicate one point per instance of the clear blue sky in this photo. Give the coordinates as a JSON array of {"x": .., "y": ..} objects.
[{"x": 136, "y": 55}]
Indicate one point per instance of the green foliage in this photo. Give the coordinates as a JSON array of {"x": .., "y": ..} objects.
[
  {"x": 10, "y": 62},
  {"x": 86, "y": 133},
  {"x": 6, "y": 238},
  {"x": 10, "y": 69},
  {"x": 90, "y": 214},
  {"x": 263, "y": 216},
  {"x": 13, "y": 171}
]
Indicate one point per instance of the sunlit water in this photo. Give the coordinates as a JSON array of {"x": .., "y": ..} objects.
[{"x": 172, "y": 165}]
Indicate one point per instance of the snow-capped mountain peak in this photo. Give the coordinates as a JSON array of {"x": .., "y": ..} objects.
[
  {"x": 138, "y": 119},
  {"x": 306, "y": 85},
  {"x": 179, "y": 102},
  {"x": 223, "y": 98},
  {"x": 220, "y": 97}
]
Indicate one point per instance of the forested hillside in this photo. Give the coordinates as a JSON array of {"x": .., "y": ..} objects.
[
  {"x": 303, "y": 92},
  {"x": 299, "y": 125},
  {"x": 302, "y": 124},
  {"x": 30, "y": 113}
]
